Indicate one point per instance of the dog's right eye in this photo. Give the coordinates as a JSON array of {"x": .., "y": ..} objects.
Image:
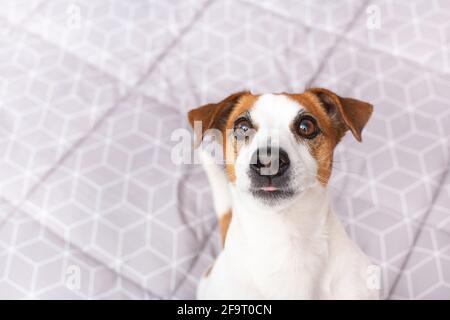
[{"x": 242, "y": 127}]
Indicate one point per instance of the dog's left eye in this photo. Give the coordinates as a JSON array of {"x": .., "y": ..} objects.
[
  {"x": 307, "y": 127},
  {"x": 242, "y": 127}
]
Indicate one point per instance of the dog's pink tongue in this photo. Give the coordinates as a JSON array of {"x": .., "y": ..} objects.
[{"x": 269, "y": 189}]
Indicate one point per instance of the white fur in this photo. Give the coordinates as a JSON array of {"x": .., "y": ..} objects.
[
  {"x": 218, "y": 182},
  {"x": 295, "y": 250},
  {"x": 273, "y": 114}
]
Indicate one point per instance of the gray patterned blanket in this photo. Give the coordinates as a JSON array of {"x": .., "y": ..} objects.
[{"x": 91, "y": 205}]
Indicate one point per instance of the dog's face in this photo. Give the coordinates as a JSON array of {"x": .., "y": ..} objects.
[{"x": 278, "y": 145}]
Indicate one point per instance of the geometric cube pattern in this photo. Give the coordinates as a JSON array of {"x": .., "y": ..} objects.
[{"x": 93, "y": 207}]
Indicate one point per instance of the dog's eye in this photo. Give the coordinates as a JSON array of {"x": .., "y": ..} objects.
[
  {"x": 242, "y": 127},
  {"x": 307, "y": 127}
]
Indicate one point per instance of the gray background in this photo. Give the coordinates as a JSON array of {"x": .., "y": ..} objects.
[{"x": 90, "y": 92}]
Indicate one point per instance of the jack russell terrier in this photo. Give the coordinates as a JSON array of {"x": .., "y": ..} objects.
[{"x": 281, "y": 238}]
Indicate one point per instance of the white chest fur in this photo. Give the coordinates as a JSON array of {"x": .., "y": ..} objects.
[
  {"x": 300, "y": 252},
  {"x": 282, "y": 252}
]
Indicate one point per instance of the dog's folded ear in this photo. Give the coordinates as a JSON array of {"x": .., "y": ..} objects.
[
  {"x": 214, "y": 115},
  {"x": 353, "y": 113}
]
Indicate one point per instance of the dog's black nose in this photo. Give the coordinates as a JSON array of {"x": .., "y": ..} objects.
[{"x": 270, "y": 162}]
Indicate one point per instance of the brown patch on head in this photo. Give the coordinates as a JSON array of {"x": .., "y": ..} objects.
[
  {"x": 353, "y": 114},
  {"x": 214, "y": 115},
  {"x": 219, "y": 117},
  {"x": 231, "y": 148},
  {"x": 334, "y": 116},
  {"x": 322, "y": 146},
  {"x": 245, "y": 103}
]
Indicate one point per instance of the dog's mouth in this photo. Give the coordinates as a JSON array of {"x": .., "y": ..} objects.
[{"x": 270, "y": 191}]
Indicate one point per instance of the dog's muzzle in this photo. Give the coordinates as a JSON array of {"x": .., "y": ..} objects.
[{"x": 269, "y": 174}]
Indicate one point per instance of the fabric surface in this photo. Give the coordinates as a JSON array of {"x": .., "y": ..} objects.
[{"x": 91, "y": 205}]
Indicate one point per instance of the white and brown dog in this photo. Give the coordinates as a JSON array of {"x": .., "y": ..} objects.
[{"x": 281, "y": 238}]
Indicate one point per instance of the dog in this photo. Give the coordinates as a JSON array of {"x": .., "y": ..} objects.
[{"x": 281, "y": 238}]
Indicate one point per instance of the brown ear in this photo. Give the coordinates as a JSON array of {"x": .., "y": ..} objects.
[
  {"x": 214, "y": 115},
  {"x": 353, "y": 113}
]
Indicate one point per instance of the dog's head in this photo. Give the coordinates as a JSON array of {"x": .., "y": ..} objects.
[{"x": 278, "y": 145}]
